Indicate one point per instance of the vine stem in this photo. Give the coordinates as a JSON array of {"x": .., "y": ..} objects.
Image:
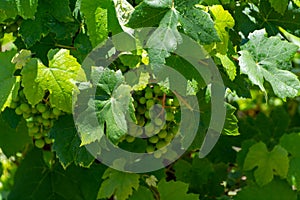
[{"x": 64, "y": 46}]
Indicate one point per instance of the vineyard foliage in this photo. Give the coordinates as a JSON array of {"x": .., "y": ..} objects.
[{"x": 44, "y": 151}]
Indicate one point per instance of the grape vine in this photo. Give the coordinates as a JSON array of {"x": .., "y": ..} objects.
[{"x": 53, "y": 129}]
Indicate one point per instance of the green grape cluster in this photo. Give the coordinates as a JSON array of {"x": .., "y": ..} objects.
[
  {"x": 157, "y": 121},
  {"x": 39, "y": 118},
  {"x": 11, "y": 26}
]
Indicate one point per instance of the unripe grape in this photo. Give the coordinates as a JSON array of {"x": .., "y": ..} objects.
[
  {"x": 141, "y": 109},
  {"x": 39, "y": 143},
  {"x": 129, "y": 138},
  {"x": 176, "y": 102},
  {"x": 56, "y": 112},
  {"x": 48, "y": 140},
  {"x": 149, "y": 95},
  {"x": 150, "y": 103},
  {"x": 41, "y": 107},
  {"x": 147, "y": 114},
  {"x": 39, "y": 119},
  {"x": 38, "y": 135},
  {"x": 157, "y": 90},
  {"x": 157, "y": 154},
  {"x": 149, "y": 129},
  {"x": 34, "y": 111},
  {"x": 18, "y": 111},
  {"x": 46, "y": 122},
  {"x": 154, "y": 139},
  {"x": 169, "y": 116},
  {"x": 30, "y": 124},
  {"x": 33, "y": 129},
  {"x": 160, "y": 144},
  {"x": 26, "y": 115},
  {"x": 169, "y": 137},
  {"x": 162, "y": 134},
  {"x": 169, "y": 101},
  {"x": 46, "y": 115},
  {"x": 142, "y": 100},
  {"x": 158, "y": 121},
  {"x": 150, "y": 149},
  {"x": 13, "y": 105}
]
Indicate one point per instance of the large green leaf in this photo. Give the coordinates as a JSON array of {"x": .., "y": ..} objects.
[
  {"x": 57, "y": 79},
  {"x": 223, "y": 21},
  {"x": 112, "y": 105},
  {"x": 267, "y": 163},
  {"x": 175, "y": 190},
  {"x": 276, "y": 190},
  {"x": 35, "y": 180},
  {"x": 165, "y": 38},
  {"x": 95, "y": 14},
  {"x": 119, "y": 184},
  {"x": 8, "y": 10},
  {"x": 67, "y": 143},
  {"x": 7, "y": 78},
  {"x": 269, "y": 58},
  {"x": 198, "y": 25},
  {"x": 146, "y": 16},
  {"x": 13, "y": 140},
  {"x": 31, "y": 35}
]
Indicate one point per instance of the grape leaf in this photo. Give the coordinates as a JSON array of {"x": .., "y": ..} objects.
[
  {"x": 43, "y": 182},
  {"x": 146, "y": 16},
  {"x": 7, "y": 78},
  {"x": 269, "y": 58},
  {"x": 279, "y": 6},
  {"x": 165, "y": 38},
  {"x": 276, "y": 190},
  {"x": 228, "y": 65},
  {"x": 198, "y": 25},
  {"x": 112, "y": 105},
  {"x": 267, "y": 163},
  {"x": 142, "y": 193},
  {"x": 291, "y": 143},
  {"x": 12, "y": 8},
  {"x": 8, "y": 10},
  {"x": 57, "y": 79},
  {"x": 297, "y": 2},
  {"x": 231, "y": 121},
  {"x": 95, "y": 13},
  {"x": 159, "y": 3},
  {"x": 29, "y": 35},
  {"x": 60, "y": 10},
  {"x": 67, "y": 143},
  {"x": 223, "y": 20},
  {"x": 175, "y": 190},
  {"x": 119, "y": 184},
  {"x": 27, "y": 8},
  {"x": 8, "y": 143},
  {"x": 32, "y": 91}
]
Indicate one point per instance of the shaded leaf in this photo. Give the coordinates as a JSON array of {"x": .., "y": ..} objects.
[
  {"x": 119, "y": 184},
  {"x": 267, "y": 163}
]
